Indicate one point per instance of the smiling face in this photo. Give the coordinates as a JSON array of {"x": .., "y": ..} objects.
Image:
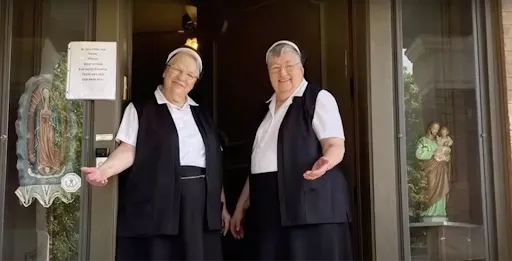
[
  {"x": 285, "y": 71},
  {"x": 181, "y": 74}
]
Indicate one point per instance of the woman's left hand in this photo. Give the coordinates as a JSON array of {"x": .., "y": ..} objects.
[
  {"x": 321, "y": 166},
  {"x": 226, "y": 218}
]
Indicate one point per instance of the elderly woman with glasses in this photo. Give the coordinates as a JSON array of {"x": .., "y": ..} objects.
[
  {"x": 171, "y": 204},
  {"x": 296, "y": 197}
]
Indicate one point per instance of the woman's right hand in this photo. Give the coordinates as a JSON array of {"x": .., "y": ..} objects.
[
  {"x": 237, "y": 220},
  {"x": 94, "y": 176}
]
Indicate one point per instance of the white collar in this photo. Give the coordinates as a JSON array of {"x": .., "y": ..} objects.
[
  {"x": 160, "y": 98},
  {"x": 297, "y": 93}
]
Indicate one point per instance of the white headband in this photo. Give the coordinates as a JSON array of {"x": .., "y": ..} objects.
[
  {"x": 294, "y": 46},
  {"x": 189, "y": 51}
]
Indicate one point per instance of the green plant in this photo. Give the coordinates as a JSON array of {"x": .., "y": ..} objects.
[
  {"x": 414, "y": 125},
  {"x": 63, "y": 219},
  {"x": 415, "y": 179}
]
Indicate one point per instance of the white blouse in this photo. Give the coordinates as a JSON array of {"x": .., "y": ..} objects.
[
  {"x": 327, "y": 123},
  {"x": 192, "y": 149}
]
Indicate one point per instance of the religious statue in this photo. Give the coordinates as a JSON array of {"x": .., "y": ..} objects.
[
  {"x": 43, "y": 152},
  {"x": 434, "y": 152},
  {"x": 48, "y": 140}
]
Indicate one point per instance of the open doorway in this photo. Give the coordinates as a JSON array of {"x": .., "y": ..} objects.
[{"x": 232, "y": 38}]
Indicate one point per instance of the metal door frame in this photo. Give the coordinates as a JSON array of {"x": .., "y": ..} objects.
[
  {"x": 493, "y": 69},
  {"x": 87, "y": 157},
  {"x": 112, "y": 23},
  {"x": 5, "y": 60}
]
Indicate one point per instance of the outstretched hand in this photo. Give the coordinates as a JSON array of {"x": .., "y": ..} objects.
[
  {"x": 321, "y": 166},
  {"x": 94, "y": 176}
]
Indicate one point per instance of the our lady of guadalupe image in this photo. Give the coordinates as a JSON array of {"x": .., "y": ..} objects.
[{"x": 48, "y": 137}]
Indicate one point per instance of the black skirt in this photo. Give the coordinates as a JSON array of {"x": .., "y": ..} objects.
[
  {"x": 269, "y": 240},
  {"x": 194, "y": 240}
]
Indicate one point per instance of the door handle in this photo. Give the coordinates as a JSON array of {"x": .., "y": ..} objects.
[{"x": 3, "y": 137}]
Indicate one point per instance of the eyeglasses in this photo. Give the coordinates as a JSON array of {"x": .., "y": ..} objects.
[
  {"x": 287, "y": 67},
  {"x": 175, "y": 72}
]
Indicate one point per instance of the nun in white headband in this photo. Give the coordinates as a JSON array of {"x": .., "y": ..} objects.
[
  {"x": 296, "y": 196},
  {"x": 171, "y": 202}
]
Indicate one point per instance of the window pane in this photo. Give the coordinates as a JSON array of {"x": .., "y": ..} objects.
[
  {"x": 442, "y": 130},
  {"x": 42, "y": 199}
]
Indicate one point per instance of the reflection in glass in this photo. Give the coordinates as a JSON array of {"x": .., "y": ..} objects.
[
  {"x": 442, "y": 120},
  {"x": 42, "y": 196}
]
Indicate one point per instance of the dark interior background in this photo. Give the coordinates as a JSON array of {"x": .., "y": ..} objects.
[{"x": 235, "y": 83}]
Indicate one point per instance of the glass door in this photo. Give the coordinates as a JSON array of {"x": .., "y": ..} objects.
[
  {"x": 443, "y": 116},
  {"x": 41, "y": 188}
]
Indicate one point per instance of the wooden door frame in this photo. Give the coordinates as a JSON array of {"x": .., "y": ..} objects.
[{"x": 378, "y": 224}]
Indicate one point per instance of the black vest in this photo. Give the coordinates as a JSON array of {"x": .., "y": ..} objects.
[
  {"x": 324, "y": 200},
  {"x": 149, "y": 192}
]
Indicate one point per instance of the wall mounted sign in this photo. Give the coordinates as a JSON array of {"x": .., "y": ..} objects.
[{"x": 92, "y": 71}]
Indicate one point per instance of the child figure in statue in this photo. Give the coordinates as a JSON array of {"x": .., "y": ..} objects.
[{"x": 444, "y": 142}]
